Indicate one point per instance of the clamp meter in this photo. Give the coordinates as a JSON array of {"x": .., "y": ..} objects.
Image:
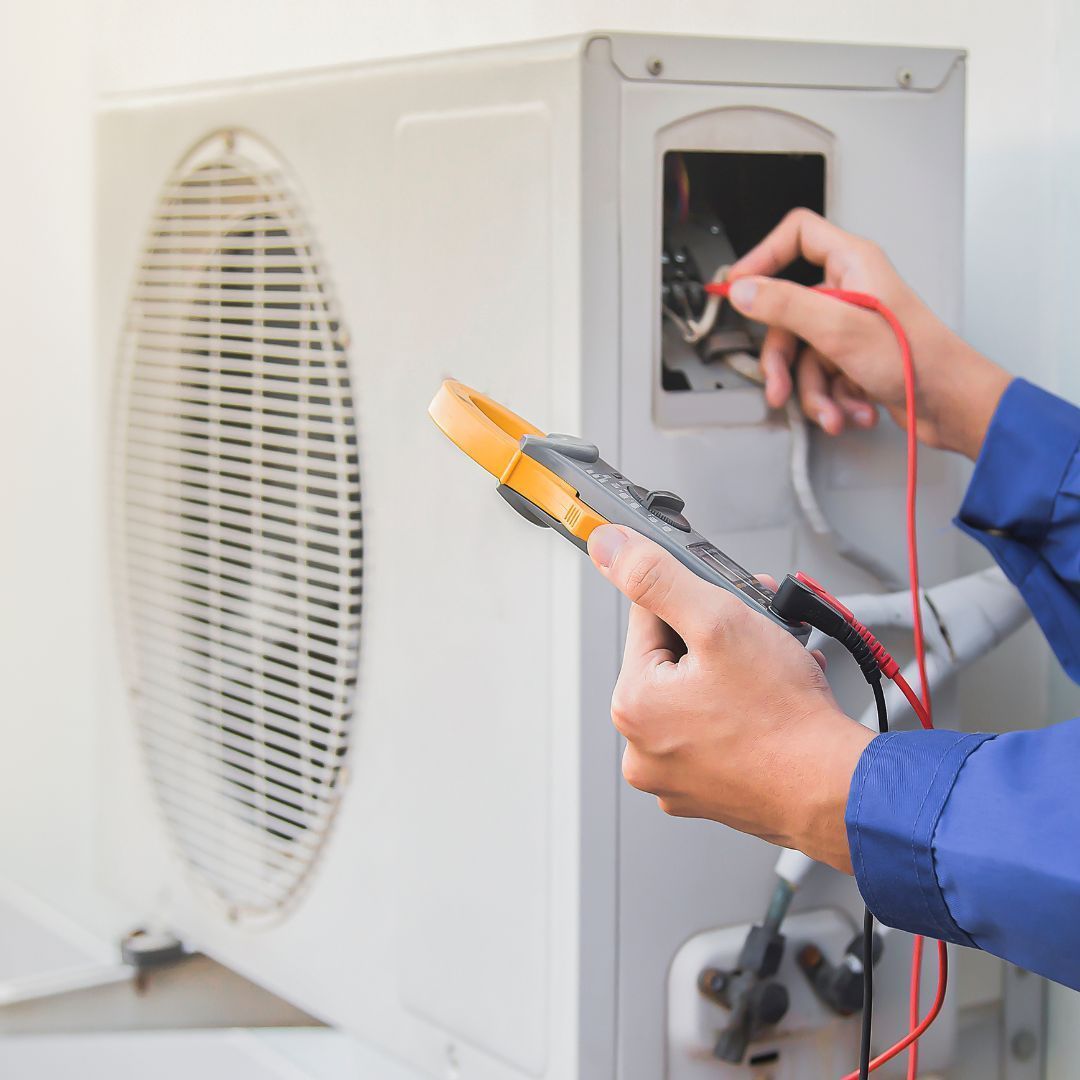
[{"x": 561, "y": 482}]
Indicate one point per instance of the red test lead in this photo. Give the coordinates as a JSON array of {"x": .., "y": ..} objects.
[{"x": 873, "y": 652}]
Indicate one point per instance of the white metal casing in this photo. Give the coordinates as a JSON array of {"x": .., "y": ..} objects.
[{"x": 492, "y": 902}]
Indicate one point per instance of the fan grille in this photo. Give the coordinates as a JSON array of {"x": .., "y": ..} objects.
[{"x": 238, "y": 528}]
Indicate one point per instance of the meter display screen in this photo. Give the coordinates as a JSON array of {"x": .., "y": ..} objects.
[{"x": 744, "y": 581}]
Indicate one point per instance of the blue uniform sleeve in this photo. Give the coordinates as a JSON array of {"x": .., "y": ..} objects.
[
  {"x": 973, "y": 838},
  {"x": 1023, "y": 505}
]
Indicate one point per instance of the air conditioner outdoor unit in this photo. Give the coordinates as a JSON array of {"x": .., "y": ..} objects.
[{"x": 356, "y": 712}]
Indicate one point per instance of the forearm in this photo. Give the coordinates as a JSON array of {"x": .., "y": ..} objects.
[
  {"x": 814, "y": 787},
  {"x": 959, "y": 393}
]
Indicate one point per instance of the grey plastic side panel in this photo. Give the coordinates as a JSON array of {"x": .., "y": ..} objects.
[{"x": 734, "y": 477}]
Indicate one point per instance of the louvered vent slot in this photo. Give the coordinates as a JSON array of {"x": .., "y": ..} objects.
[{"x": 238, "y": 531}]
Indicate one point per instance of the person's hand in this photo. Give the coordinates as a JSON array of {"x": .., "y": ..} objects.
[
  {"x": 850, "y": 358},
  {"x": 725, "y": 715}
]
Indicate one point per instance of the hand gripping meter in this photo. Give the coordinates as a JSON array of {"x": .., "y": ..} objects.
[{"x": 561, "y": 482}]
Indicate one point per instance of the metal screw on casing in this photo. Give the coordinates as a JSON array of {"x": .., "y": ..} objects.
[
  {"x": 1024, "y": 1045},
  {"x": 654, "y": 65},
  {"x": 905, "y": 77},
  {"x": 712, "y": 984}
]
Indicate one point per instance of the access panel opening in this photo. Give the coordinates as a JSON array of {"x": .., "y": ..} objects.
[{"x": 716, "y": 207}]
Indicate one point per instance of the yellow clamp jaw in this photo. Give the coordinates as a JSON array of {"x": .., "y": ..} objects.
[
  {"x": 544, "y": 478},
  {"x": 491, "y": 435}
]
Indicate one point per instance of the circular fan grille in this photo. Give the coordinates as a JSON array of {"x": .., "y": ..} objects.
[{"x": 238, "y": 525}]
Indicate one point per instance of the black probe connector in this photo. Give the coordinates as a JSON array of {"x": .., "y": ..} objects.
[{"x": 797, "y": 602}]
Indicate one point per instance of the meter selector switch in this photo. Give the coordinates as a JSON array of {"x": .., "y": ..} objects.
[{"x": 665, "y": 505}]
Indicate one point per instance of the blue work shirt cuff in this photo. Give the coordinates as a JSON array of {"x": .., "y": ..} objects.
[
  {"x": 1028, "y": 464},
  {"x": 1029, "y": 445},
  {"x": 897, "y": 794}
]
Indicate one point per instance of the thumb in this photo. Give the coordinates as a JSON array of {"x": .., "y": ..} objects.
[
  {"x": 655, "y": 580},
  {"x": 834, "y": 328}
]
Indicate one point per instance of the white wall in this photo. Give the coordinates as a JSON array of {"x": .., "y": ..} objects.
[
  {"x": 47, "y": 586},
  {"x": 1023, "y": 275},
  {"x": 1065, "y": 345}
]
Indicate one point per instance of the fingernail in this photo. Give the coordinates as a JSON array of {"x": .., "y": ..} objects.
[
  {"x": 605, "y": 543},
  {"x": 743, "y": 292}
]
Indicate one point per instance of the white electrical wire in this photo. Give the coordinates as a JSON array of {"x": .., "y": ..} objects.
[
  {"x": 679, "y": 321},
  {"x": 811, "y": 508},
  {"x": 799, "y": 463},
  {"x": 698, "y": 330}
]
